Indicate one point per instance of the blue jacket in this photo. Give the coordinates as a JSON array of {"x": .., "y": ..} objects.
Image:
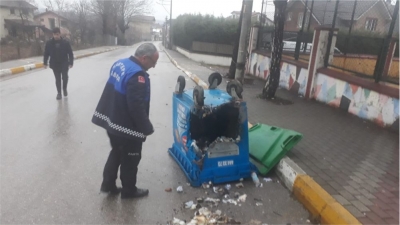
[{"x": 124, "y": 106}]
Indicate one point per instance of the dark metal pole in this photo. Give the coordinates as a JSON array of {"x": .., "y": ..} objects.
[
  {"x": 300, "y": 35},
  {"x": 351, "y": 27},
  {"x": 259, "y": 29},
  {"x": 311, "y": 12},
  {"x": 328, "y": 50},
  {"x": 382, "y": 58},
  {"x": 309, "y": 24},
  {"x": 261, "y": 15}
]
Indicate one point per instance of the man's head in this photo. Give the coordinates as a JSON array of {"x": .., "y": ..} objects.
[
  {"x": 56, "y": 33},
  {"x": 147, "y": 55}
]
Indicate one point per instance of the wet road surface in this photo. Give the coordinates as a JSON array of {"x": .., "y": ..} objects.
[{"x": 52, "y": 156}]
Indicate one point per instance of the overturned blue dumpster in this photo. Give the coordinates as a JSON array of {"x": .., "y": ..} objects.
[{"x": 211, "y": 133}]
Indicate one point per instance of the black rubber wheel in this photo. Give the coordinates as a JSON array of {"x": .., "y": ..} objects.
[
  {"x": 212, "y": 78},
  {"x": 237, "y": 86},
  {"x": 180, "y": 85},
  {"x": 198, "y": 96}
]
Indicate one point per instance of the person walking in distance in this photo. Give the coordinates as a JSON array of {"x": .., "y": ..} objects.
[
  {"x": 123, "y": 110},
  {"x": 61, "y": 60}
]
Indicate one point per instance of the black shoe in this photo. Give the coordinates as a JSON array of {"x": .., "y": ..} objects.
[
  {"x": 58, "y": 96},
  {"x": 65, "y": 92},
  {"x": 112, "y": 190},
  {"x": 139, "y": 193}
]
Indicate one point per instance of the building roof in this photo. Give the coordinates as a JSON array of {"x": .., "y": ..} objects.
[
  {"x": 323, "y": 10},
  {"x": 27, "y": 23},
  {"x": 16, "y": 4},
  {"x": 143, "y": 18},
  {"x": 49, "y": 12}
]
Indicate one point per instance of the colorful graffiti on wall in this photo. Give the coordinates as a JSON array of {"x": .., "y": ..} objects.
[
  {"x": 291, "y": 78},
  {"x": 356, "y": 100}
]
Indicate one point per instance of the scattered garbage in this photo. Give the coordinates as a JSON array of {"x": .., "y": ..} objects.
[
  {"x": 267, "y": 179},
  {"x": 228, "y": 187},
  {"x": 231, "y": 201},
  {"x": 200, "y": 200},
  {"x": 177, "y": 221},
  {"x": 259, "y": 203},
  {"x": 237, "y": 194},
  {"x": 215, "y": 189},
  {"x": 239, "y": 185},
  {"x": 255, "y": 179},
  {"x": 189, "y": 204},
  {"x": 179, "y": 189},
  {"x": 204, "y": 216},
  {"x": 206, "y": 186},
  {"x": 242, "y": 198},
  {"x": 308, "y": 221},
  {"x": 168, "y": 189},
  {"x": 212, "y": 200}
]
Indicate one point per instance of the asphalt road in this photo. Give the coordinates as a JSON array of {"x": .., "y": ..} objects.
[{"x": 52, "y": 156}]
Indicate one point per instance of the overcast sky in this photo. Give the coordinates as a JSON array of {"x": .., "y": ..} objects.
[{"x": 213, "y": 7}]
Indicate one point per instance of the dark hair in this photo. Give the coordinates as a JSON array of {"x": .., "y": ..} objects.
[{"x": 56, "y": 30}]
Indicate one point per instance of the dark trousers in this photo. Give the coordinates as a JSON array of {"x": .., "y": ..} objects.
[
  {"x": 127, "y": 153},
  {"x": 58, "y": 73}
]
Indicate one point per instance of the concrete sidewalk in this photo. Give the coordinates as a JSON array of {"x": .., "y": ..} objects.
[
  {"x": 22, "y": 65},
  {"x": 353, "y": 160}
]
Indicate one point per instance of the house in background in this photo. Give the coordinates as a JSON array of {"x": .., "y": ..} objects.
[
  {"x": 157, "y": 32},
  {"x": 50, "y": 20},
  {"x": 16, "y": 17},
  {"x": 255, "y": 18},
  {"x": 370, "y": 15},
  {"x": 140, "y": 29}
]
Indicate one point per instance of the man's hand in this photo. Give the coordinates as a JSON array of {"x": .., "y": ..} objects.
[
  {"x": 70, "y": 66},
  {"x": 45, "y": 66}
]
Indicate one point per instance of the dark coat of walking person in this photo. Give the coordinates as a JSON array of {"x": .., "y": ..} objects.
[
  {"x": 61, "y": 60},
  {"x": 123, "y": 111}
]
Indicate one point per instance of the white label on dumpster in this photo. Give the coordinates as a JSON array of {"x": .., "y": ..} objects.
[{"x": 225, "y": 163}]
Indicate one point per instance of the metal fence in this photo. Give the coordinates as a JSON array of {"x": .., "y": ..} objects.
[{"x": 363, "y": 45}]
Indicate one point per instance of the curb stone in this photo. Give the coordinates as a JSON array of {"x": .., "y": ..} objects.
[
  {"x": 21, "y": 69},
  {"x": 322, "y": 206}
]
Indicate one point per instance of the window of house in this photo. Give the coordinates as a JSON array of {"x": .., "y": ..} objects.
[
  {"x": 300, "y": 20},
  {"x": 25, "y": 11},
  {"x": 370, "y": 24},
  {"x": 289, "y": 17},
  {"x": 52, "y": 23},
  {"x": 12, "y": 11}
]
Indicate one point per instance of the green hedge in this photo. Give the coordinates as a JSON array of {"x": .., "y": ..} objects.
[{"x": 204, "y": 28}]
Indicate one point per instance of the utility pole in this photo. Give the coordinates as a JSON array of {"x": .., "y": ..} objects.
[
  {"x": 232, "y": 68},
  {"x": 170, "y": 27},
  {"x": 248, "y": 6}
]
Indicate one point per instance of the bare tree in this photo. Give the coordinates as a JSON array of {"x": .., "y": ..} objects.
[
  {"x": 32, "y": 2},
  {"x": 79, "y": 16},
  {"x": 108, "y": 14},
  {"x": 128, "y": 8},
  {"x": 273, "y": 79},
  {"x": 56, "y": 5}
]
